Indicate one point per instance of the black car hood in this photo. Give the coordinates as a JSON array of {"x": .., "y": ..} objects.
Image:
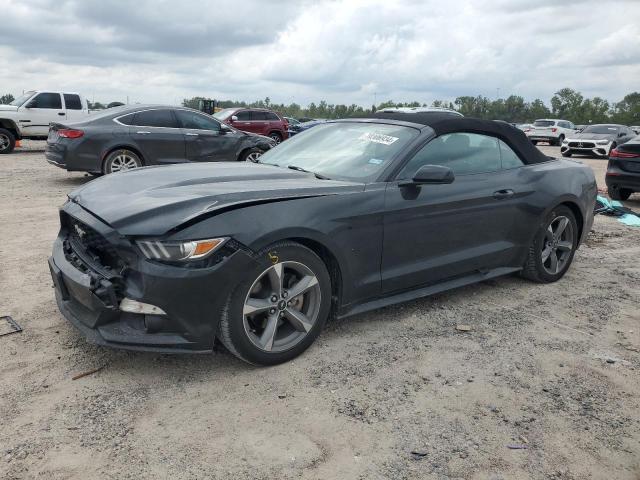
[
  {"x": 593, "y": 136},
  {"x": 154, "y": 200}
]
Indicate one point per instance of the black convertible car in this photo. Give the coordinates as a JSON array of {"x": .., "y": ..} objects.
[{"x": 350, "y": 216}]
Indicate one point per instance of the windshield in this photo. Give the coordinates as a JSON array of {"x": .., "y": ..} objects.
[
  {"x": 343, "y": 150},
  {"x": 603, "y": 129},
  {"x": 224, "y": 114},
  {"x": 21, "y": 99},
  {"x": 543, "y": 123}
]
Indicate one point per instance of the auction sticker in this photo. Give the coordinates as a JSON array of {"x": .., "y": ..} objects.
[{"x": 378, "y": 138}]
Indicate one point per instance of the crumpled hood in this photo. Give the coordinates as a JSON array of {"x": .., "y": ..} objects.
[
  {"x": 153, "y": 200},
  {"x": 592, "y": 136},
  {"x": 8, "y": 108}
]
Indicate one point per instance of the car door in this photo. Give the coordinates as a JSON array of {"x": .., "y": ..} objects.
[
  {"x": 39, "y": 112},
  {"x": 433, "y": 233},
  {"x": 259, "y": 122},
  {"x": 205, "y": 140},
  {"x": 73, "y": 107},
  {"x": 243, "y": 121},
  {"x": 158, "y": 137}
]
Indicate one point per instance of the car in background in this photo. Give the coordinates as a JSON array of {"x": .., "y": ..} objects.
[
  {"x": 307, "y": 119},
  {"x": 29, "y": 115},
  {"x": 623, "y": 171},
  {"x": 256, "y": 120},
  {"x": 304, "y": 126},
  {"x": 348, "y": 217},
  {"x": 123, "y": 138},
  {"x": 418, "y": 110},
  {"x": 550, "y": 130},
  {"x": 596, "y": 140},
  {"x": 525, "y": 127},
  {"x": 294, "y": 125},
  {"x": 635, "y": 128}
]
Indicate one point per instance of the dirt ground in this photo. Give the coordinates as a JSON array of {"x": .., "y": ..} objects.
[{"x": 553, "y": 370}]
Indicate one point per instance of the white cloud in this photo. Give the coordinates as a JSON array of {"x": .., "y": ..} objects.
[{"x": 343, "y": 51}]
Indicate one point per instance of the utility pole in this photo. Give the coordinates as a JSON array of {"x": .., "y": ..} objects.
[{"x": 497, "y": 93}]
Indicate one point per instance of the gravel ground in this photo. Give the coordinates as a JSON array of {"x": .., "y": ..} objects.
[{"x": 397, "y": 393}]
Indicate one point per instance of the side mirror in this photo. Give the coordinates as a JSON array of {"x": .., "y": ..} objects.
[
  {"x": 29, "y": 105},
  {"x": 621, "y": 134},
  {"x": 431, "y": 175},
  {"x": 225, "y": 129},
  {"x": 234, "y": 118}
]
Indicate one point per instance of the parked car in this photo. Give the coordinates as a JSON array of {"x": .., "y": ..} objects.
[
  {"x": 293, "y": 125},
  {"x": 525, "y": 127},
  {"x": 255, "y": 120},
  {"x": 636, "y": 128},
  {"x": 550, "y": 130},
  {"x": 306, "y": 119},
  {"x": 623, "y": 171},
  {"x": 29, "y": 115},
  {"x": 597, "y": 140},
  {"x": 348, "y": 217},
  {"x": 418, "y": 110},
  {"x": 122, "y": 138},
  {"x": 307, "y": 125}
]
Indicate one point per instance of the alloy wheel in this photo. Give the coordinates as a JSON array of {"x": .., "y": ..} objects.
[
  {"x": 276, "y": 138},
  {"x": 557, "y": 245},
  {"x": 254, "y": 156},
  {"x": 5, "y": 141},
  {"x": 282, "y": 306},
  {"x": 122, "y": 162}
]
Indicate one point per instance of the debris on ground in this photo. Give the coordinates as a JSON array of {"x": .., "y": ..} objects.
[
  {"x": 463, "y": 328},
  {"x": 9, "y": 326},
  {"x": 517, "y": 447},
  {"x": 616, "y": 209},
  {"x": 85, "y": 374}
]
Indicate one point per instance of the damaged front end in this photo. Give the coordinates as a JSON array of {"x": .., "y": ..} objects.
[{"x": 117, "y": 297}]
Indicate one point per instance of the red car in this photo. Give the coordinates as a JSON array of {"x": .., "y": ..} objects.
[{"x": 255, "y": 120}]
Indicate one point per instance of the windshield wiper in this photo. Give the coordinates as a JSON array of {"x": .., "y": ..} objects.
[{"x": 300, "y": 169}]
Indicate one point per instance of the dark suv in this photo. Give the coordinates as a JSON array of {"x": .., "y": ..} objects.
[{"x": 255, "y": 120}]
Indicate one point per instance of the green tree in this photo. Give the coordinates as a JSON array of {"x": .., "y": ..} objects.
[
  {"x": 6, "y": 99},
  {"x": 627, "y": 111},
  {"x": 537, "y": 109},
  {"x": 568, "y": 103}
]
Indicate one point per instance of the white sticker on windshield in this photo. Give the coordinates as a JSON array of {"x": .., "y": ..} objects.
[{"x": 378, "y": 138}]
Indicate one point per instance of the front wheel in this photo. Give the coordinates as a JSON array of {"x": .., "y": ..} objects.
[
  {"x": 553, "y": 247},
  {"x": 121, "y": 160},
  {"x": 7, "y": 141},
  {"x": 566, "y": 154},
  {"x": 280, "y": 307},
  {"x": 251, "y": 155}
]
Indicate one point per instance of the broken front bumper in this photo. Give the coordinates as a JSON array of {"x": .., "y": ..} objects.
[{"x": 89, "y": 294}]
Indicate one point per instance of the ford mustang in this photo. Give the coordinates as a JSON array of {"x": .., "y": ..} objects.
[{"x": 350, "y": 216}]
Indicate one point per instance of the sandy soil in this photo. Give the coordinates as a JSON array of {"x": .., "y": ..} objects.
[{"x": 553, "y": 368}]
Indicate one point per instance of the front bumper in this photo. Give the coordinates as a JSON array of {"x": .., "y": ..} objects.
[
  {"x": 88, "y": 293},
  {"x": 586, "y": 148}
]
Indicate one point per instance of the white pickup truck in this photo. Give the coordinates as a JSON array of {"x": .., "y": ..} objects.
[{"x": 29, "y": 115}]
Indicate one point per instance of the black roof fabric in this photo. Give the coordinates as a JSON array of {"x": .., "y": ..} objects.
[{"x": 443, "y": 123}]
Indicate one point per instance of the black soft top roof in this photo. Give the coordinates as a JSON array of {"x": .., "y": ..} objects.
[{"x": 443, "y": 123}]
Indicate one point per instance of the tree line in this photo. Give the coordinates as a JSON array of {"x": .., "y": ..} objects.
[{"x": 566, "y": 103}]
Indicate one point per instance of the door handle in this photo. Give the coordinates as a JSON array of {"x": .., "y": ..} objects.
[
  {"x": 143, "y": 133},
  {"x": 192, "y": 134},
  {"x": 61, "y": 114},
  {"x": 502, "y": 194}
]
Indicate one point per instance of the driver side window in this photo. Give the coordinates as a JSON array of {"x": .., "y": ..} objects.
[{"x": 464, "y": 153}]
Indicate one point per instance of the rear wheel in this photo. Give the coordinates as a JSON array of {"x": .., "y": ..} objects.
[
  {"x": 620, "y": 193},
  {"x": 559, "y": 141},
  {"x": 7, "y": 141},
  {"x": 280, "y": 307},
  {"x": 121, "y": 160},
  {"x": 535, "y": 142},
  {"x": 553, "y": 247},
  {"x": 276, "y": 137}
]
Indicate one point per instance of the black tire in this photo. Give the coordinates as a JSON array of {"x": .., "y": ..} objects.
[
  {"x": 534, "y": 268},
  {"x": 559, "y": 141},
  {"x": 7, "y": 141},
  {"x": 121, "y": 156},
  {"x": 566, "y": 154},
  {"x": 251, "y": 155},
  {"x": 620, "y": 194},
  {"x": 232, "y": 332},
  {"x": 535, "y": 142},
  {"x": 276, "y": 136}
]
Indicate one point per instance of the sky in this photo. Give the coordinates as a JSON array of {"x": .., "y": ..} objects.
[{"x": 341, "y": 51}]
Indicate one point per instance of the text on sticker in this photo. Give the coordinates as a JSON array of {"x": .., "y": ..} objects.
[{"x": 378, "y": 138}]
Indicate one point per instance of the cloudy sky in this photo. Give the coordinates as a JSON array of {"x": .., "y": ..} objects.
[{"x": 343, "y": 51}]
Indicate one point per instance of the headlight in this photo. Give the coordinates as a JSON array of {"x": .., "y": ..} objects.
[
  {"x": 602, "y": 142},
  {"x": 180, "y": 251}
]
